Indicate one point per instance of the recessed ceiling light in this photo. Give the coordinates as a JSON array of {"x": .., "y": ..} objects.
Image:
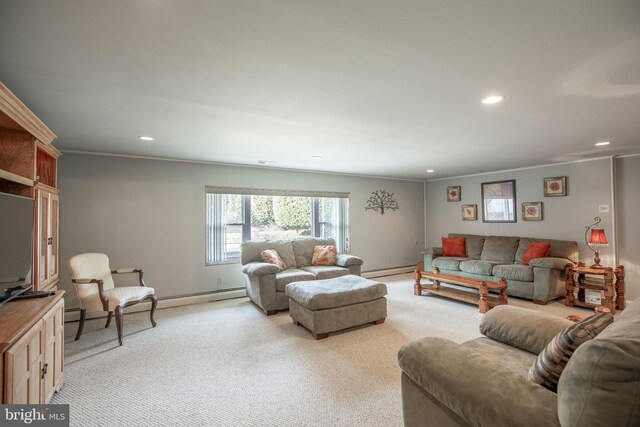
[
  {"x": 146, "y": 138},
  {"x": 267, "y": 162},
  {"x": 430, "y": 171},
  {"x": 600, "y": 144},
  {"x": 493, "y": 99},
  {"x": 316, "y": 157}
]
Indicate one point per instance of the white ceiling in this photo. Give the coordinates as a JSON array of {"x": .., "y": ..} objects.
[{"x": 387, "y": 88}]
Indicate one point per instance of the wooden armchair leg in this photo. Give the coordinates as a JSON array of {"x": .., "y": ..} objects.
[
  {"x": 154, "y": 304},
  {"x": 109, "y": 319},
  {"x": 83, "y": 314},
  {"x": 119, "y": 322}
]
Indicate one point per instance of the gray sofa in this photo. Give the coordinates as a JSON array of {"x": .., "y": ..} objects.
[
  {"x": 265, "y": 282},
  {"x": 483, "y": 382},
  {"x": 493, "y": 257}
]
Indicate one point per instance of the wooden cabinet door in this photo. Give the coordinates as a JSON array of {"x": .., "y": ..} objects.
[
  {"x": 52, "y": 238},
  {"x": 42, "y": 231},
  {"x": 23, "y": 368},
  {"x": 53, "y": 345},
  {"x": 46, "y": 247}
]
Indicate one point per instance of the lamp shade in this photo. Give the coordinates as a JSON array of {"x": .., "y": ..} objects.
[{"x": 597, "y": 237}]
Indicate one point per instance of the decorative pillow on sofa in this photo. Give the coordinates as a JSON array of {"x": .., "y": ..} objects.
[
  {"x": 324, "y": 255},
  {"x": 536, "y": 250},
  {"x": 272, "y": 257},
  {"x": 453, "y": 246},
  {"x": 551, "y": 361}
]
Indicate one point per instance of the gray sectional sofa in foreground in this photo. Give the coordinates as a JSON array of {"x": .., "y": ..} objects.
[
  {"x": 265, "y": 282},
  {"x": 493, "y": 257},
  {"x": 483, "y": 382}
]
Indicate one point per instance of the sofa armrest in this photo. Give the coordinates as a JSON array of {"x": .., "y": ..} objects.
[
  {"x": 476, "y": 388},
  {"x": 428, "y": 255},
  {"x": 347, "y": 260},
  {"x": 260, "y": 269},
  {"x": 435, "y": 252},
  {"x": 550, "y": 262},
  {"x": 522, "y": 328}
]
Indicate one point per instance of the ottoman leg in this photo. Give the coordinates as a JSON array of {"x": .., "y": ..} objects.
[
  {"x": 321, "y": 336},
  {"x": 380, "y": 321},
  {"x": 295, "y": 322}
]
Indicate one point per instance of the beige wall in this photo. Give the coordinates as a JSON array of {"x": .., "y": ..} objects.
[
  {"x": 589, "y": 184},
  {"x": 150, "y": 214}
]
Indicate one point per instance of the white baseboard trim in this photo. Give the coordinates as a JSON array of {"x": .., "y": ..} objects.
[
  {"x": 74, "y": 316},
  {"x": 388, "y": 272}
]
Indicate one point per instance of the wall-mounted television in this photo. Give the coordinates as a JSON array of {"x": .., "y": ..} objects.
[{"x": 16, "y": 244}]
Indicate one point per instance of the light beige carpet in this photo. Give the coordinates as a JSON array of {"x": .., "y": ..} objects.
[{"x": 227, "y": 364}]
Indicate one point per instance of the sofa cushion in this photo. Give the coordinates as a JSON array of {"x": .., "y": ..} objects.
[
  {"x": 550, "y": 363},
  {"x": 303, "y": 248},
  {"x": 523, "y": 273},
  {"x": 566, "y": 249},
  {"x": 333, "y": 293},
  {"x": 448, "y": 263},
  {"x": 271, "y": 256},
  {"x": 473, "y": 244},
  {"x": 476, "y": 266},
  {"x": 453, "y": 246},
  {"x": 324, "y": 255},
  {"x": 600, "y": 384},
  {"x": 536, "y": 250},
  {"x": 291, "y": 275},
  {"x": 500, "y": 248},
  {"x": 326, "y": 271},
  {"x": 252, "y": 251}
]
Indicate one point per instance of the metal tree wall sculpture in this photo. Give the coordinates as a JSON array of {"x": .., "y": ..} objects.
[{"x": 381, "y": 200}]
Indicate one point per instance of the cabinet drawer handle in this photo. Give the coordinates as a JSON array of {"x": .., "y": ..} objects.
[{"x": 45, "y": 369}]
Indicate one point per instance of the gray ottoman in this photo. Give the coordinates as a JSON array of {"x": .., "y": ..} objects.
[{"x": 330, "y": 305}]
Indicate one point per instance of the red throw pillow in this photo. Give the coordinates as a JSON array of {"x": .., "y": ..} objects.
[
  {"x": 453, "y": 246},
  {"x": 536, "y": 250}
]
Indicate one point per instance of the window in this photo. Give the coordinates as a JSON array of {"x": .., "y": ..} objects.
[{"x": 234, "y": 215}]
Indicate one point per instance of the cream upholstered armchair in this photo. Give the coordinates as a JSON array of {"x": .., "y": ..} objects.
[{"x": 91, "y": 275}]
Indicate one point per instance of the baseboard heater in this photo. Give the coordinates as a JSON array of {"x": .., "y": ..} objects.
[{"x": 73, "y": 315}]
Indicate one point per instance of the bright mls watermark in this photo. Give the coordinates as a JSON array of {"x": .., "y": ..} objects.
[{"x": 34, "y": 415}]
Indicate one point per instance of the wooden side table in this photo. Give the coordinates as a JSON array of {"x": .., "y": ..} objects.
[{"x": 613, "y": 287}]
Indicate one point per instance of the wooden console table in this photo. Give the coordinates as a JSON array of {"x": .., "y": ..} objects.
[
  {"x": 613, "y": 286},
  {"x": 483, "y": 301}
]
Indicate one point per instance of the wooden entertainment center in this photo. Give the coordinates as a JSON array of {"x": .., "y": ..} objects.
[{"x": 32, "y": 330}]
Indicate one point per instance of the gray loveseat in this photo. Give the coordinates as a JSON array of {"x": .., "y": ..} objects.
[
  {"x": 493, "y": 257},
  {"x": 265, "y": 282},
  {"x": 483, "y": 382}
]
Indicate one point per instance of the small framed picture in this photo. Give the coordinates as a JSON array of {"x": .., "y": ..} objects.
[
  {"x": 454, "y": 194},
  {"x": 469, "y": 212},
  {"x": 555, "y": 187},
  {"x": 532, "y": 211}
]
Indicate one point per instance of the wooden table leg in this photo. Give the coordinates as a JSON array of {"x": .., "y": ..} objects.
[
  {"x": 569, "y": 285},
  {"x": 484, "y": 297},
  {"x": 503, "y": 291},
  {"x": 609, "y": 290},
  {"x": 620, "y": 288},
  {"x": 417, "y": 287}
]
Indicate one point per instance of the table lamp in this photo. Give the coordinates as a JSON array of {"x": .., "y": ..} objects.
[{"x": 595, "y": 241}]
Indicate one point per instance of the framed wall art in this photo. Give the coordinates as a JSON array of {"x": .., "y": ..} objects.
[
  {"x": 469, "y": 212},
  {"x": 454, "y": 194},
  {"x": 499, "y": 201},
  {"x": 555, "y": 187},
  {"x": 532, "y": 211}
]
